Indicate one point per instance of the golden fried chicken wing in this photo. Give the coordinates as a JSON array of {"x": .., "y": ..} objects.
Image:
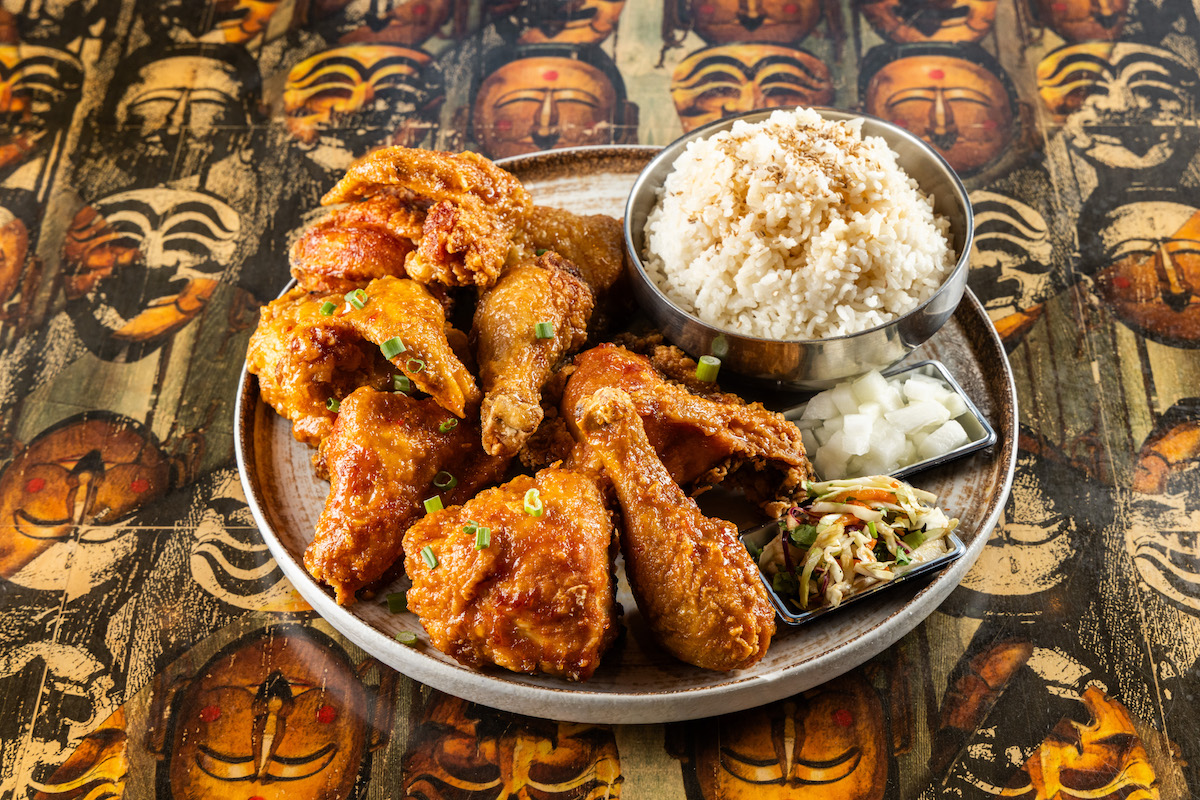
[
  {"x": 476, "y": 208},
  {"x": 538, "y": 597},
  {"x": 697, "y": 586},
  {"x": 382, "y": 456},
  {"x": 365, "y": 240},
  {"x": 702, "y": 440},
  {"x": 514, "y": 360},
  {"x": 594, "y": 243},
  {"x": 303, "y": 357}
]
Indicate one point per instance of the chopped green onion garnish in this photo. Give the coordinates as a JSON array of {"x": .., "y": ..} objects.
[
  {"x": 707, "y": 368},
  {"x": 401, "y": 383},
  {"x": 333, "y": 404},
  {"x": 328, "y": 308},
  {"x": 392, "y": 347},
  {"x": 483, "y": 538},
  {"x": 533, "y": 503},
  {"x": 544, "y": 330},
  {"x": 871, "y": 528},
  {"x": 541, "y": 251},
  {"x": 915, "y": 539},
  {"x": 427, "y": 554},
  {"x": 406, "y": 637},
  {"x": 448, "y": 425},
  {"x": 397, "y": 602},
  {"x": 433, "y": 504},
  {"x": 471, "y": 527},
  {"x": 414, "y": 365},
  {"x": 357, "y": 298},
  {"x": 444, "y": 480}
]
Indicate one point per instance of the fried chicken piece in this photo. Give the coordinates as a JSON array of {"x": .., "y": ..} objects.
[
  {"x": 697, "y": 586},
  {"x": 476, "y": 208},
  {"x": 514, "y": 362},
  {"x": 365, "y": 240},
  {"x": 382, "y": 456},
  {"x": 303, "y": 358},
  {"x": 539, "y": 597},
  {"x": 702, "y": 440},
  {"x": 595, "y": 243}
]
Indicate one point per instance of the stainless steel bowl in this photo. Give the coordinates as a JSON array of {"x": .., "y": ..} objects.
[{"x": 808, "y": 363}]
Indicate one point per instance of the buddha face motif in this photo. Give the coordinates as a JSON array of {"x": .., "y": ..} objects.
[
  {"x": 402, "y": 22},
  {"x": 718, "y": 82},
  {"x": 903, "y": 21},
  {"x": 342, "y": 102},
  {"x": 1084, "y": 20},
  {"x": 39, "y": 89},
  {"x": 545, "y": 102},
  {"x": 727, "y": 21},
  {"x": 277, "y": 714},
  {"x": 462, "y": 751},
  {"x": 960, "y": 107},
  {"x": 1010, "y": 261},
  {"x": 76, "y": 481},
  {"x": 571, "y": 21},
  {"x": 1124, "y": 106},
  {"x": 143, "y": 264}
]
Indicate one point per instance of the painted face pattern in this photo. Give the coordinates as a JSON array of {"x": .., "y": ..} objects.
[
  {"x": 342, "y": 102},
  {"x": 14, "y": 244},
  {"x": 1010, "y": 262},
  {"x": 144, "y": 263},
  {"x": 99, "y": 766},
  {"x": 82, "y": 476},
  {"x": 543, "y": 103},
  {"x": 1084, "y": 20},
  {"x": 903, "y": 21},
  {"x": 402, "y": 22},
  {"x": 39, "y": 87},
  {"x": 718, "y": 82},
  {"x": 1124, "y": 106},
  {"x": 957, "y": 105},
  {"x": 727, "y": 21},
  {"x": 222, "y": 21},
  {"x": 462, "y": 751},
  {"x": 571, "y": 21}
]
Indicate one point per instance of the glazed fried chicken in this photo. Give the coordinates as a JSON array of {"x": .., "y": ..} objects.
[
  {"x": 474, "y": 209},
  {"x": 695, "y": 583},
  {"x": 514, "y": 361},
  {"x": 365, "y": 240},
  {"x": 595, "y": 244},
  {"x": 382, "y": 456},
  {"x": 538, "y": 597},
  {"x": 303, "y": 357},
  {"x": 702, "y": 440}
]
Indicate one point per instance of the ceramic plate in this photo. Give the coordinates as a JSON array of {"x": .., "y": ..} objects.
[{"x": 637, "y": 682}]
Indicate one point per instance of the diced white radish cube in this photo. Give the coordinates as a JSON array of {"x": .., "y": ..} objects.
[
  {"x": 943, "y": 440},
  {"x": 921, "y": 387},
  {"x": 856, "y": 430},
  {"x": 831, "y": 459},
  {"x": 810, "y": 440},
  {"x": 915, "y": 416},
  {"x": 910, "y": 453},
  {"x": 807, "y": 424},
  {"x": 822, "y": 434},
  {"x": 835, "y": 423},
  {"x": 873, "y": 466},
  {"x": 869, "y": 386},
  {"x": 871, "y": 409},
  {"x": 955, "y": 404},
  {"x": 893, "y": 398},
  {"x": 820, "y": 406},
  {"x": 888, "y": 445},
  {"x": 844, "y": 399}
]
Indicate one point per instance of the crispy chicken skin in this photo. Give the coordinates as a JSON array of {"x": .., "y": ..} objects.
[
  {"x": 696, "y": 585},
  {"x": 702, "y": 440},
  {"x": 514, "y": 363},
  {"x": 382, "y": 456},
  {"x": 365, "y": 240},
  {"x": 539, "y": 597},
  {"x": 475, "y": 210},
  {"x": 303, "y": 357},
  {"x": 594, "y": 243}
]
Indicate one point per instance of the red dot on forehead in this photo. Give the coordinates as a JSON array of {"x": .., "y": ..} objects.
[
  {"x": 326, "y": 714},
  {"x": 843, "y": 718},
  {"x": 706, "y": 8},
  {"x": 140, "y": 485},
  {"x": 550, "y": 75},
  {"x": 210, "y": 713},
  {"x": 35, "y": 485},
  {"x": 989, "y": 124},
  {"x": 937, "y": 74},
  {"x": 1121, "y": 282},
  {"x": 504, "y": 125},
  {"x": 790, "y": 8},
  {"x": 421, "y": 9},
  {"x": 1059, "y": 7}
]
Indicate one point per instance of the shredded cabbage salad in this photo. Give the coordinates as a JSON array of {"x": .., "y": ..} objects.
[{"x": 850, "y": 534}]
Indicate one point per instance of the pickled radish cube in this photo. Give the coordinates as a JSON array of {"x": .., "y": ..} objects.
[
  {"x": 943, "y": 440},
  {"x": 922, "y": 387},
  {"x": 856, "y": 432},
  {"x": 918, "y": 415},
  {"x": 820, "y": 406},
  {"x": 871, "y": 466},
  {"x": 910, "y": 452},
  {"x": 888, "y": 443},
  {"x": 831, "y": 459},
  {"x": 871, "y": 409},
  {"x": 835, "y": 423},
  {"x": 809, "y": 438},
  {"x": 870, "y": 386},
  {"x": 955, "y": 404},
  {"x": 806, "y": 424},
  {"x": 844, "y": 399},
  {"x": 822, "y": 435}
]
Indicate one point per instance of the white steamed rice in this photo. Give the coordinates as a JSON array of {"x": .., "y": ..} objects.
[{"x": 795, "y": 228}]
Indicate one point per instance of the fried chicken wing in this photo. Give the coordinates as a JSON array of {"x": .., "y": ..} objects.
[
  {"x": 696, "y": 585},
  {"x": 365, "y": 240},
  {"x": 514, "y": 361},
  {"x": 303, "y": 357},
  {"x": 702, "y": 440},
  {"x": 382, "y": 456},
  {"x": 475, "y": 209},
  {"x": 594, "y": 243},
  {"x": 538, "y": 597}
]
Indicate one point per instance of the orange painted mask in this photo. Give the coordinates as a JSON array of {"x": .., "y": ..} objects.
[
  {"x": 39, "y": 88},
  {"x": 718, "y": 82},
  {"x": 574, "y": 22},
  {"x": 402, "y": 22},
  {"x": 776, "y": 21},
  {"x": 1084, "y": 20},
  {"x": 903, "y": 21}
]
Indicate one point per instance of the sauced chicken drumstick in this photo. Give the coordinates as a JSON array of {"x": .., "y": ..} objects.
[
  {"x": 536, "y": 314},
  {"x": 697, "y": 586},
  {"x": 701, "y": 440},
  {"x": 304, "y": 357},
  {"x": 476, "y": 209},
  {"x": 532, "y": 594},
  {"x": 383, "y": 456}
]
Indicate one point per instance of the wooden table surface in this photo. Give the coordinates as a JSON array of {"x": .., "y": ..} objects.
[{"x": 157, "y": 157}]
